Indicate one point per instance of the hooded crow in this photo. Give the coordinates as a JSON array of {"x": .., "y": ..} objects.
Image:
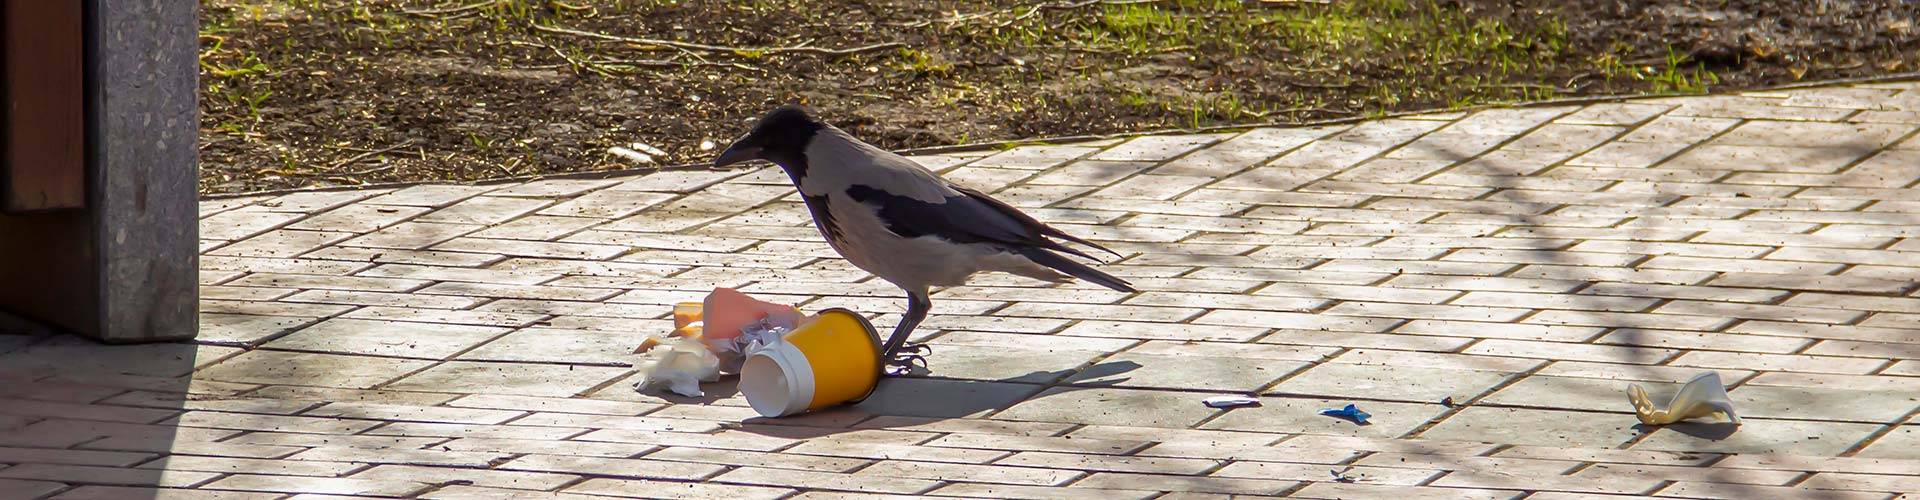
[{"x": 896, "y": 219}]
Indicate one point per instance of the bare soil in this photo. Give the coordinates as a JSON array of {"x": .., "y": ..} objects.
[{"x": 305, "y": 93}]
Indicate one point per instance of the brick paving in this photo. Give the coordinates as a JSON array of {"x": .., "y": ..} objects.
[{"x": 1485, "y": 284}]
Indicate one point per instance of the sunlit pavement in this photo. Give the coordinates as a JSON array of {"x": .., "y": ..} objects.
[{"x": 1484, "y": 284}]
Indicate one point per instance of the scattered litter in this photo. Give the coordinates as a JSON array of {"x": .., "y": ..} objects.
[
  {"x": 753, "y": 337},
  {"x": 1701, "y": 397},
  {"x": 727, "y": 313},
  {"x": 647, "y": 148},
  {"x": 707, "y": 145},
  {"x": 630, "y": 155},
  {"x": 710, "y": 338},
  {"x": 780, "y": 377},
  {"x": 1447, "y": 402},
  {"x": 1340, "y": 476},
  {"x": 1351, "y": 413},
  {"x": 686, "y": 313},
  {"x": 679, "y": 364},
  {"x": 1230, "y": 401}
]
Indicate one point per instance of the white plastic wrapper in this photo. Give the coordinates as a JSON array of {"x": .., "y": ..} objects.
[
  {"x": 1702, "y": 397},
  {"x": 1230, "y": 401}
]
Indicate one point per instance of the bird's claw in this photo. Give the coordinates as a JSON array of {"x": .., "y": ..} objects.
[{"x": 903, "y": 361}]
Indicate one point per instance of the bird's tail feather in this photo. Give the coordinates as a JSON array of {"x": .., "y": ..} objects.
[{"x": 1078, "y": 270}]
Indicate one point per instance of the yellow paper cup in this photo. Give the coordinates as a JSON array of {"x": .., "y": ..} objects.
[{"x": 830, "y": 360}]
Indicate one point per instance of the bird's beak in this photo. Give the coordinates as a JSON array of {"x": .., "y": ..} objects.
[{"x": 737, "y": 153}]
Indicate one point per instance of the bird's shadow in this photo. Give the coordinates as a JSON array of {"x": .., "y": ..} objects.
[{"x": 917, "y": 401}]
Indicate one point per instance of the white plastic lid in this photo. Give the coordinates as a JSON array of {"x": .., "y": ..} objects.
[{"x": 777, "y": 380}]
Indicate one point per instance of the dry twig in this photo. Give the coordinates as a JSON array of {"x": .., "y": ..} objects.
[
  {"x": 1031, "y": 10},
  {"x": 721, "y": 49},
  {"x": 362, "y": 156},
  {"x": 450, "y": 11}
]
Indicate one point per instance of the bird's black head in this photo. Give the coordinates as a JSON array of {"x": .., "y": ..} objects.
[{"x": 781, "y": 137}]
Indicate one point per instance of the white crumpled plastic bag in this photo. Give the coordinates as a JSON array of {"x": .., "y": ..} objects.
[
  {"x": 754, "y": 336},
  {"x": 679, "y": 364}
]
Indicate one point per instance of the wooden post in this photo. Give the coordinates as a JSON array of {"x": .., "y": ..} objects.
[
  {"x": 124, "y": 268},
  {"x": 44, "y": 164}
]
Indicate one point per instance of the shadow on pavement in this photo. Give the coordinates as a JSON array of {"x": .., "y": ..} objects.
[{"x": 78, "y": 411}]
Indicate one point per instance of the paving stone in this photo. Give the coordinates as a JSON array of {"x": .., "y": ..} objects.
[
  {"x": 1689, "y": 489},
  {"x": 1619, "y": 113},
  {"x": 335, "y": 302},
  {"x": 1164, "y": 366},
  {"x": 1399, "y": 476},
  {"x": 1704, "y": 474},
  {"x": 428, "y": 195},
  {"x": 509, "y": 378},
  {"x": 964, "y": 426},
  {"x": 1032, "y": 476},
  {"x": 1470, "y": 464},
  {"x": 826, "y": 481},
  {"x": 1813, "y": 135},
  {"x": 14, "y": 455},
  {"x": 557, "y": 346},
  {"x": 393, "y": 255},
  {"x": 1110, "y": 406},
  {"x": 294, "y": 441},
  {"x": 1164, "y": 482},
  {"x": 443, "y": 316},
  {"x": 532, "y": 249},
  {"x": 1356, "y": 491},
  {"x": 328, "y": 370},
  {"x": 1009, "y": 363},
  {"x": 239, "y": 224},
  {"x": 437, "y": 458},
  {"x": 319, "y": 394},
  {"x": 1011, "y": 443},
  {"x": 476, "y": 477},
  {"x": 387, "y": 338},
  {"x": 1302, "y": 415},
  {"x": 943, "y": 398},
  {"x": 76, "y": 356},
  {"x": 675, "y": 489},
  {"x": 321, "y": 485},
  {"x": 1901, "y": 443},
  {"x": 281, "y": 243},
  {"x": 1252, "y": 452},
  {"x": 250, "y": 466},
  {"x": 1545, "y": 427},
  {"x": 1411, "y": 384},
  {"x": 982, "y": 490},
  {"x": 1784, "y": 362},
  {"x": 1759, "y": 436},
  {"x": 1498, "y": 479},
  {"x": 31, "y": 476},
  {"x": 145, "y": 493},
  {"x": 412, "y": 235},
  {"x": 274, "y": 423}
]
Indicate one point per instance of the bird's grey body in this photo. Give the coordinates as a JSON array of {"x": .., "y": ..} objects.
[
  {"x": 903, "y": 223},
  {"x": 859, "y": 185}
]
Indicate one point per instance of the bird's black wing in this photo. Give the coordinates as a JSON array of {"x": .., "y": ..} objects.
[
  {"x": 1028, "y": 220},
  {"x": 971, "y": 217}
]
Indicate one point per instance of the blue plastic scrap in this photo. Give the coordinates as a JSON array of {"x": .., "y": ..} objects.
[{"x": 1350, "y": 413}]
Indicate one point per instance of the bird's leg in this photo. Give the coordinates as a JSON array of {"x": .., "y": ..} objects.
[{"x": 897, "y": 357}]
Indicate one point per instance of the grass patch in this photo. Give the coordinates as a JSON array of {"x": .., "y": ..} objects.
[{"x": 480, "y": 89}]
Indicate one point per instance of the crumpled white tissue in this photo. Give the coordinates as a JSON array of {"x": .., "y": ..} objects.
[{"x": 679, "y": 364}]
